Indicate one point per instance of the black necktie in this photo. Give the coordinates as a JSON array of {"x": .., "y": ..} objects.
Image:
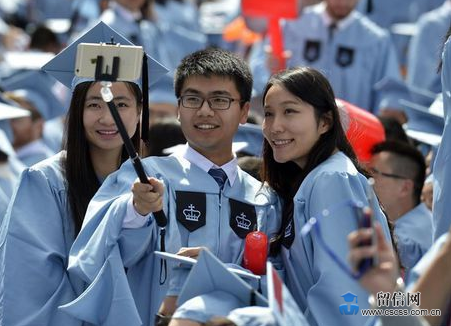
[
  {"x": 332, "y": 28},
  {"x": 219, "y": 175}
]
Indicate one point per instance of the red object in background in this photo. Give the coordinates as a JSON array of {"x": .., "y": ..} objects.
[
  {"x": 364, "y": 130},
  {"x": 273, "y": 11},
  {"x": 255, "y": 252}
]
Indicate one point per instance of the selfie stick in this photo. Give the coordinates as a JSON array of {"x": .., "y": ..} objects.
[{"x": 106, "y": 82}]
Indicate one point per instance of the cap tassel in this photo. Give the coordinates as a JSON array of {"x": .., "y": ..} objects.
[
  {"x": 369, "y": 7},
  {"x": 145, "y": 91}
]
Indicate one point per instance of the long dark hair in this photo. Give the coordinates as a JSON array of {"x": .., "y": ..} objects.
[
  {"x": 313, "y": 88},
  {"x": 81, "y": 180}
]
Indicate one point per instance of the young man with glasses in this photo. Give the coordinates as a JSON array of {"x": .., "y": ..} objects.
[
  {"x": 399, "y": 172},
  {"x": 209, "y": 201}
]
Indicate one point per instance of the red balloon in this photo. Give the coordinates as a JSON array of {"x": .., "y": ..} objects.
[
  {"x": 364, "y": 130},
  {"x": 255, "y": 252}
]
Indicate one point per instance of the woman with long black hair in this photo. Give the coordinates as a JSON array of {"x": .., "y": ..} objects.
[{"x": 309, "y": 162}]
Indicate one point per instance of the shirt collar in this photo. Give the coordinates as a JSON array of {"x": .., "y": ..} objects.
[
  {"x": 340, "y": 24},
  {"x": 194, "y": 157}
]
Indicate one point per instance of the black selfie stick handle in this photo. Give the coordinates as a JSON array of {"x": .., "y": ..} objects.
[{"x": 160, "y": 217}]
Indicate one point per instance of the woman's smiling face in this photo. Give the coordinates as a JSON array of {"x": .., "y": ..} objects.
[{"x": 290, "y": 126}]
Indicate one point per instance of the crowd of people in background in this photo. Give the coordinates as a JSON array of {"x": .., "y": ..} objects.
[{"x": 232, "y": 143}]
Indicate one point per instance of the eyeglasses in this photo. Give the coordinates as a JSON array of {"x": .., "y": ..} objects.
[
  {"x": 214, "y": 102},
  {"x": 388, "y": 175}
]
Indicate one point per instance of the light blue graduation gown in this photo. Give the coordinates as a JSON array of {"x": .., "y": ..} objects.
[
  {"x": 364, "y": 50},
  {"x": 426, "y": 261},
  {"x": 442, "y": 163},
  {"x": 88, "y": 12},
  {"x": 103, "y": 248},
  {"x": 9, "y": 176},
  {"x": 46, "y": 9},
  {"x": 11, "y": 172},
  {"x": 35, "y": 238},
  {"x": 166, "y": 43},
  {"x": 183, "y": 13},
  {"x": 53, "y": 134},
  {"x": 425, "y": 49},
  {"x": 34, "y": 152},
  {"x": 314, "y": 279},
  {"x": 423, "y": 265},
  {"x": 384, "y": 15},
  {"x": 4, "y": 200},
  {"x": 414, "y": 233}
]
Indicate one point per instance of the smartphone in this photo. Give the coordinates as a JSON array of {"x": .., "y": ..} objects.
[
  {"x": 365, "y": 218},
  {"x": 130, "y": 60}
]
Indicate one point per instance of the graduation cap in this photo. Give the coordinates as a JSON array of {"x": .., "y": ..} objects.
[
  {"x": 424, "y": 124},
  {"x": 37, "y": 88},
  {"x": 251, "y": 137},
  {"x": 163, "y": 91},
  {"x": 212, "y": 290},
  {"x": 58, "y": 25},
  {"x": 349, "y": 297},
  {"x": 281, "y": 302},
  {"x": 390, "y": 91},
  {"x": 31, "y": 60},
  {"x": 191, "y": 261},
  {"x": 253, "y": 316},
  {"x": 62, "y": 67},
  {"x": 8, "y": 111},
  {"x": 421, "y": 96}
]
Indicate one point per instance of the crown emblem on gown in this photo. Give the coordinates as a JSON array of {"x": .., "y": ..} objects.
[
  {"x": 191, "y": 214},
  {"x": 288, "y": 230},
  {"x": 243, "y": 222}
]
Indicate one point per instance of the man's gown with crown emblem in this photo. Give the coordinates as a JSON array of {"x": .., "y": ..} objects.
[{"x": 131, "y": 296}]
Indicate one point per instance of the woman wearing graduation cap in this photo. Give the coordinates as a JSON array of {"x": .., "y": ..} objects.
[
  {"x": 47, "y": 210},
  {"x": 311, "y": 165}
]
